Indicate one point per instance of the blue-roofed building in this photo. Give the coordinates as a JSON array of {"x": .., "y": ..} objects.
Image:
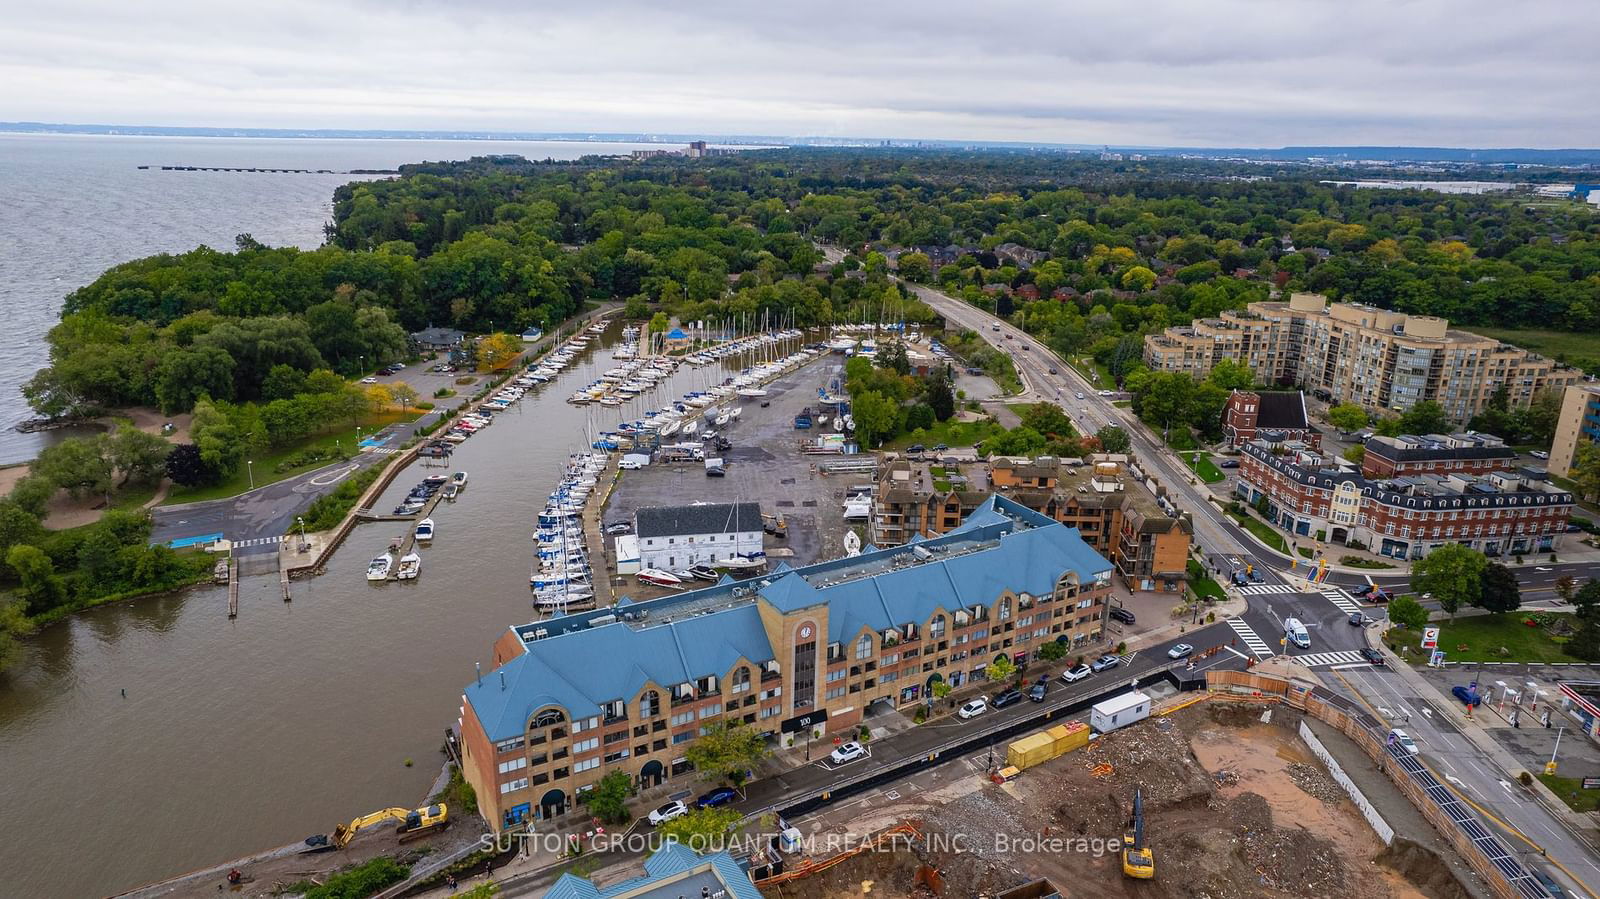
[
  {"x": 794, "y": 651},
  {"x": 675, "y": 339},
  {"x": 672, "y": 872}
]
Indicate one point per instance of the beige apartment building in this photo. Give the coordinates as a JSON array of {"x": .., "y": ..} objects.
[
  {"x": 1360, "y": 354},
  {"x": 1578, "y": 422}
]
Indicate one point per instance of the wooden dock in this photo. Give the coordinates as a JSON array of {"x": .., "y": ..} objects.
[
  {"x": 409, "y": 540},
  {"x": 233, "y": 587},
  {"x": 594, "y": 537}
]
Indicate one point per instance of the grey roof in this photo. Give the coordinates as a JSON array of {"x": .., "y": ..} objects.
[
  {"x": 1281, "y": 410},
  {"x": 438, "y": 336},
  {"x": 711, "y": 518}
]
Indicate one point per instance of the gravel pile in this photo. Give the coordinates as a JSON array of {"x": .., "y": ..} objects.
[
  {"x": 1284, "y": 858},
  {"x": 1316, "y": 782}
]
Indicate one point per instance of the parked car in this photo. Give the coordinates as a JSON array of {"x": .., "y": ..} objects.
[
  {"x": 847, "y": 752},
  {"x": 973, "y": 708},
  {"x": 673, "y": 809},
  {"x": 916, "y": 448},
  {"x": 1073, "y": 675},
  {"x": 1122, "y": 614},
  {"x": 1539, "y": 454},
  {"x": 940, "y": 447},
  {"x": 716, "y": 797},
  {"x": 1105, "y": 662},
  {"x": 1182, "y": 650},
  {"x": 621, "y": 527},
  {"x": 1467, "y": 696},
  {"x": 1009, "y": 697},
  {"x": 370, "y": 379},
  {"x": 1372, "y": 655},
  {"x": 1228, "y": 463},
  {"x": 1549, "y": 884},
  {"x": 1037, "y": 691},
  {"x": 1105, "y": 393}
]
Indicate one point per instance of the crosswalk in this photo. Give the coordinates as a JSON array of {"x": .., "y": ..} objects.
[
  {"x": 1323, "y": 659},
  {"x": 1250, "y": 637},
  {"x": 1343, "y": 600},
  {"x": 382, "y": 450},
  {"x": 256, "y": 541},
  {"x": 1259, "y": 589}
]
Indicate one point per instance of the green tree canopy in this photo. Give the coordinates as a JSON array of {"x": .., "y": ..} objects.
[{"x": 1453, "y": 574}]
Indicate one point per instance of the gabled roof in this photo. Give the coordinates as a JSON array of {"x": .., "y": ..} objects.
[
  {"x": 711, "y": 518},
  {"x": 673, "y": 870},
  {"x": 1282, "y": 409}
]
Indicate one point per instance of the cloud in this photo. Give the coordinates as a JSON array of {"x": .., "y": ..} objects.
[{"x": 1167, "y": 72}]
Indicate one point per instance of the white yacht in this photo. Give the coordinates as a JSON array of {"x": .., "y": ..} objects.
[
  {"x": 378, "y": 569},
  {"x": 410, "y": 565}
]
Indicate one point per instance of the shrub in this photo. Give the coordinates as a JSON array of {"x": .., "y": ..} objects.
[
  {"x": 360, "y": 881},
  {"x": 443, "y": 393},
  {"x": 423, "y": 406}
]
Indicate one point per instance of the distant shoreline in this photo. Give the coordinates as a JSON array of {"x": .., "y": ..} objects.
[{"x": 37, "y": 128}]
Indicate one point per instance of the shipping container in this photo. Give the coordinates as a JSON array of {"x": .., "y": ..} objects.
[
  {"x": 1030, "y": 751},
  {"x": 1069, "y": 736}
]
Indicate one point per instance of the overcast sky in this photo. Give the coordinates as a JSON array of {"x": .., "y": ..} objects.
[{"x": 1157, "y": 72}]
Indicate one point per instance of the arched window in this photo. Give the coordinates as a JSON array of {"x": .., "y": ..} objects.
[
  {"x": 741, "y": 679},
  {"x": 864, "y": 647},
  {"x": 548, "y": 717},
  {"x": 936, "y": 628},
  {"x": 649, "y": 704}
]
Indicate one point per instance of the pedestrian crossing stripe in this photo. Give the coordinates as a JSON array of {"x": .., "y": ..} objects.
[
  {"x": 1250, "y": 638},
  {"x": 1258, "y": 589},
  {"x": 1320, "y": 659},
  {"x": 257, "y": 541},
  {"x": 382, "y": 450},
  {"x": 1341, "y": 599}
]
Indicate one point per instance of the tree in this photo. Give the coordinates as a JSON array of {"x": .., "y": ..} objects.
[
  {"x": 1356, "y": 454},
  {"x": 1566, "y": 588},
  {"x": 1231, "y": 375},
  {"x": 1347, "y": 417},
  {"x": 915, "y": 267},
  {"x": 939, "y": 396},
  {"x": 1001, "y": 670},
  {"x": 894, "y": 358},
  {"x": 1453, "y": 574},
  {"x": 1138, "y": 278},
  {"x": 1426, "y": 417},
  {"x": 1585, "y": 471},
  {"x": 14, "y": 625},
  {"x": 609, "y": 798},
  {"x": 403, "y": 393},
  {"x": 1585, "y": 643},
  {"x": 1499, "y": 592},
  {"x": 186, "y": 468},
  {"x": 283, "y": 382},
  {"x": 140, "y": 456},
  {"x": 727, "y": 752},
  {"x": 379, "y": 397},
  {"x": 41, "y": 586},
  {"x": 1113, "y": 439},
  {"x": 877, "y": 417},
  {"x": 1053, "y": 651},
  {"x": 703, "y": 829},
  {"x": 33, "y": 494},
  {"x": 1408, "y": 613},
  {"x": 498, "y": 350},
  {"x": 78, "y": 464},
  {"x": 185, "y": 376}
]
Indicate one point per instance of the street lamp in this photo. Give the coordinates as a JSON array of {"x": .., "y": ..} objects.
[
  {"x": 250, "y": 468},
  {"x": 303, "y": 542}
]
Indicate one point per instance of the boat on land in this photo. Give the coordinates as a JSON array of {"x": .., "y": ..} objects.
[
  {"x": 410, "y": 566},
  {"x": 751, "y": 562},
  {"x": 378, "y": 569},
  {"x": 658, "y": 577},
  {"x": 424, "y": 530}
]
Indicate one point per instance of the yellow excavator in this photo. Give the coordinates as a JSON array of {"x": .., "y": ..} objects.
[
  {"x": 413, "y": 823},
  {"x": 1137, "y": 859}
]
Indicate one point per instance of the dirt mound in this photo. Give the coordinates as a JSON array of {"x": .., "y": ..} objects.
[
  {"x": 1316, "y": 782},
  {"x": 1238, "y": 851},
  {"x": 1423, "y": 868}
]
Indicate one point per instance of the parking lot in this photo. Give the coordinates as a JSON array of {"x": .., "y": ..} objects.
[{"x": 764, "y": 466}]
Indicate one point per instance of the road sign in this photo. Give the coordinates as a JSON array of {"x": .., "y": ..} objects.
[
  {"x": 1436, "y": 660},
  {"x": 1430, "y": 637}
]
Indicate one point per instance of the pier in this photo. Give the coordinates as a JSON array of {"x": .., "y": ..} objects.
[{"x": 233, "y": 587}]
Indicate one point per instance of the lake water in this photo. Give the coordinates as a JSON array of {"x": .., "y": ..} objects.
[
  {"x": 73, "y": 206},
  {"x": 235, "y": 736}
]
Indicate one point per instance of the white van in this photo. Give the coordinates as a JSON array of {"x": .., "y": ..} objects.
[
  {"x": 633, "y": 462},
  {"x": 1296, "y": 632}
]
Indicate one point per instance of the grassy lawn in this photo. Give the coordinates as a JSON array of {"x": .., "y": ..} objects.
[
  {"x": 1571, "y": 791},
  {"x": 1201, "y": 464},
  {"x": 1203, "y": 585},
  {"x": 1551, "y": 343},
  {"x": 1094, "y": 373},
  {"x": 951, "y": 432},
  {"x": 1306, "y": 552},
  {"x": 266, "y": 464},
  {"x": 1484, "y": 636},
  {"x": 1123, "y": 404},
  {"x": 1264, "y": 531}
]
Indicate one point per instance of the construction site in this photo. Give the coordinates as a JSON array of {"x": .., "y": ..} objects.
[{"x": 1234, "y": 804}]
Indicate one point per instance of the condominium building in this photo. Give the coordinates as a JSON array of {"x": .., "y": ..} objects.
[
  {"x": 795, "y": 654},
  {"x": 1403, "y": 517},
  {"x": 1355, "y": 353},
  {"x": 1578, "y": 422},
  {"x": 1111, "y": 510}
]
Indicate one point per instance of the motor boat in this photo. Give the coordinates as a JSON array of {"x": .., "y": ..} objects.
[
  {"x": 750, "y": 562},
  {"x": 459, "y": 479},
  {"x": 410, "y": 565},
  {"x": 658, "y": 577},
  {"x": 704, "y": 573},
  {"x": 378, "y": 569},
  {"x": 424, "y": 531}
]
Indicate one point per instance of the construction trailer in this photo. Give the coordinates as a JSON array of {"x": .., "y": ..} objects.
[{"x": 1119, "y": 711}]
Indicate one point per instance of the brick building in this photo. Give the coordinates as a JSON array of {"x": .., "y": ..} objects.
[
  {"x": 1443, "y": 454},
  {"x": 1274, "y": 416},
  {"x": 795, "y": 654},
  {"x": 1406, "y": 517},
  {"x": 1112, "y": 511},
  {"x": 1576, "y": 424}
]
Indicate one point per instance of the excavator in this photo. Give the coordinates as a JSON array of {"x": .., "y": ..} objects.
[
  {"x": 1137, "y": 859},
  {"x": 413, "y": 824}
]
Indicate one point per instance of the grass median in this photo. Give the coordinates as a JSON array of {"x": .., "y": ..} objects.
[{"x": 1491, "y": 638}]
